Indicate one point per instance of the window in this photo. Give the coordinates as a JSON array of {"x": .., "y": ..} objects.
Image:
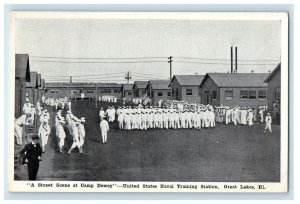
[
  {"x": 277, "y": 93},
  {"x": 74, "y": 91},
  {"x": 214, "y": 96},
  {"x": 252, "y": 94},
  {"x": 244, "y": 95},
  {"x": 117, "y": 91},
  {"x": 228, "y": 95},
  {"x": 52, "y": 91},
  {"x": 160, "y": 94},
  {"x": 105, "y": 91},
  {"x": 262, "y": 94},
  {"x": 169, "y": 93},
  {"x": 89, "y": 91},
  {"x": 143, "y": 91},
  {"x": 189, "y": 92},
  {"x": 129, "y": 93}
]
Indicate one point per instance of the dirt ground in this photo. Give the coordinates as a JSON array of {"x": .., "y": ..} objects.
[{"x": 224, "y": 153}]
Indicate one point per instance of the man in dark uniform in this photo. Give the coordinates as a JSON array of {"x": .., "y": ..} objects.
[{"x": 31, "y": 155}]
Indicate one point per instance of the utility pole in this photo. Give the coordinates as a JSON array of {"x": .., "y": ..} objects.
[
  {"x": 170, "y": 61},
  {"x": 128, "y": 77},
  {"x": 96, "y": 93}
]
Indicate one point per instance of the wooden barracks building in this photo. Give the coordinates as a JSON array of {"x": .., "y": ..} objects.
[
  {"x": 22, "y": 76},
  {"x": 231, "y": 89},
  {"x": 186, "y": 87},
  {"x": 90, "y": 90}
]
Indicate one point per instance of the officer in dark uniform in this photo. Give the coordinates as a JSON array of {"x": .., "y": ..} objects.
[{"x": 31, "y": 155}]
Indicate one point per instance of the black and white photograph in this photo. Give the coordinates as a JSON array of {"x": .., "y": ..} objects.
[{"x": 148, "y": 102}]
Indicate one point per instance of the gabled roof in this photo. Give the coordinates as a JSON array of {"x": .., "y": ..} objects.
[
  {"x": 140, "y": 84},
  {"x": 188, "y": 80},
  {"x": 277, "y": 68},
  {"x": 33, "y": 80},
  {"x": 22, "y": 66},
  {"x": 127, "y": 87},
  {"x": 237, "y": 79},
  {"x": 159, "y": 84}
]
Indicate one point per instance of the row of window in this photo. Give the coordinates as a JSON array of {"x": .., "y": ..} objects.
[
  {"x": 90, "y": 91},
  {"x": 247, "y": 94}
]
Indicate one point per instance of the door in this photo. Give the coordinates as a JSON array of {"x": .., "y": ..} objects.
[{"x": 207, "y": 96}]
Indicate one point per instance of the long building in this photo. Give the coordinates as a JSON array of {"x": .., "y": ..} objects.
[
  {"x": 231, "y": 89},
  {"x": 77, "y": 90},
  {"x": 22, "y": 76}
]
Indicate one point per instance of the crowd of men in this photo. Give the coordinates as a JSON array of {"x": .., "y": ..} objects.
[
  {"x": 110, "y": 99},
  {"x": 183, "y": 115},
  {"x": 58, "y": 103}
]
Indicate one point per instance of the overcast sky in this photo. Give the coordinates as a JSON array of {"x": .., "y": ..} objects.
[{"x": 257, "y": 41}]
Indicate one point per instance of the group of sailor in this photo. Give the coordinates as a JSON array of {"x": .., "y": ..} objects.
[
  {"x": 58, "y": 103},
  {"x": 148, "y": 117},
  {"x": 111, "y": 99}
]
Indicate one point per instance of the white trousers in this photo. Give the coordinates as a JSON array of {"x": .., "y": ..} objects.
[
  {"x": 104, "y": 135},
  {"x": 268, "y": 127},
  {"x": 18, "y": 134}
]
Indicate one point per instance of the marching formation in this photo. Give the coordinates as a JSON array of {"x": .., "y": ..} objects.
[{"x": 145, "y": 118}]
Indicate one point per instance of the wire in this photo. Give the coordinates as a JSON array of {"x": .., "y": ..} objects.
[
  {"x": 216, "y": 59},
  {"x": 86, "y": 62},
  {"x": 118, "y": 58},
  {"x": 218, "y": 63}
]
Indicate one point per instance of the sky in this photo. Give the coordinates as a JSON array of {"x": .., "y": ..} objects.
[{"x": 103, "y": 50}]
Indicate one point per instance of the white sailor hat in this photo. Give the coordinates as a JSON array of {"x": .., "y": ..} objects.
[
  {"x": 27, "y": 99},
  {"x": 82, "y": 119},
  {"x": 45, "y": 111}
]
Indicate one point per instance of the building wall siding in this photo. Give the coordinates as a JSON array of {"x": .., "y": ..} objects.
[
  {"x": 191, "y": 98},
  {"x": 274, "y": 82},
  {"x": 237, "y": 101},
  {"x": 156, "y": 98}
]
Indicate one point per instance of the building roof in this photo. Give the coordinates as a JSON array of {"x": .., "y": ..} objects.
[
  {"x": 140, "y": 84},
  {"x": 189, "y": 80},
  {"x": 159, "y": 84},
  {"x": 127, "y": 87},
  {"x": 277, "y": 68},
  {"x": 22, "y": 66},
  {"x": 83, "y": 85},
  {"x": 33, "y": 80},
  {"x": 237, "y": 79}
]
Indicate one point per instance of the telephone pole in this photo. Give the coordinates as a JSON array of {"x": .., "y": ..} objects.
[
  {"x": 170, "y": 61},
  {"x": 128, "y": 77}
]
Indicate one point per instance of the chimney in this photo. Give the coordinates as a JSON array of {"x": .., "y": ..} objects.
[
  {"x": 231, "y": 58},
  {"x": 70, "y": 79},
  {"x": 235, "y": 59}
]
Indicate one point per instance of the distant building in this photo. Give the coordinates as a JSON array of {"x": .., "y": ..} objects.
[
  {"x": 139, "y": 88},
  {"x": 186, "y": 87},
  {"x": 22, "y": 75},
  {"x": 127, "y": 91},
  {"x": 74, "y": 91},
  {"x": 241, "y": 89},
  {"x": 158, "y": 90}
]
